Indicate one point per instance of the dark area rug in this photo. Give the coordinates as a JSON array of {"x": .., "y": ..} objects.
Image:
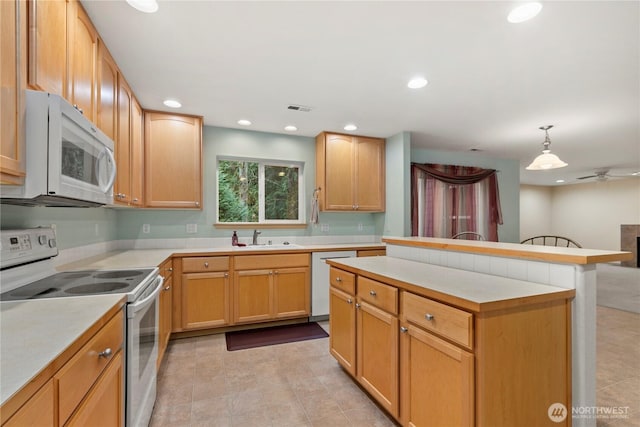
[{"x": 240, "y": 340}]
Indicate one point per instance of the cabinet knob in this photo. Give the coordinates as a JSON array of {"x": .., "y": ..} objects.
[
  {"x": 349, "y": 301},
  {"x": 429, "y": 317},
  {"x": 206, "y": 264},
  {"x": 170, "y": 269},
  {"x": 106, "y": 353},
  {"x": 275, "y": 272},
  {"x": 372, "y": 293},
  {"x": 226, "y": 275},
  {"x": 135, "y": 199},
  {"x": 197, "y": 203},
  {"x": 168, "y": 288},
  {"x": 338, "y": 279},
  {"x": 357, "y": 207},
  {"x": 357, "y": 305},
  {"x": 403, "y": 329}
]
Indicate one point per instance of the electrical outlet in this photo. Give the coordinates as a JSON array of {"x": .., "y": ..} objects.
[
  {"x": 192, "y": 228},
  {"x": 146, "y": 228},
  {"x": 360, "y": 227},
  {"x": 324, "y": 228}
]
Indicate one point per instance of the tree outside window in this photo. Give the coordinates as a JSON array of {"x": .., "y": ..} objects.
[{"x": 259, "y": 191}]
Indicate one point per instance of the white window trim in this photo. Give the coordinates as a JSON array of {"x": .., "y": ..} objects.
[{"x": 261, "y": 192}]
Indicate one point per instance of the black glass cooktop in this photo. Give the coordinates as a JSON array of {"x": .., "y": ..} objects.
[{"x": 77, "y": 283}]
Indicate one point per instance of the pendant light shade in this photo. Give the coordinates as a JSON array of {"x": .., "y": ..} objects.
[{"x": 546, "y": 160}]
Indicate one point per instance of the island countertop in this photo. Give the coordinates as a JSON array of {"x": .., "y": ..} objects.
[
  {"x": 468, "y": 290},
  {"x": 514, "y": 250}
]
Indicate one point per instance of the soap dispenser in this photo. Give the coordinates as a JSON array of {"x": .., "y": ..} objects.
[{"x": 234, "y": 239}]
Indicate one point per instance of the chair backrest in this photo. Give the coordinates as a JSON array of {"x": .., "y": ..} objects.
[
  {"x": 468, "y": 235},
  {"x": 549, "y": 240}
]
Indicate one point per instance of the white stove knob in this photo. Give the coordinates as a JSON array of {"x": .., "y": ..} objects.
[
  {"x": 52, "y": 243},
  {"x": 42, "y": 239}
]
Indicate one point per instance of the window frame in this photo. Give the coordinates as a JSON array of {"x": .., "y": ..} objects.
[{"x": 261, "y": 191}]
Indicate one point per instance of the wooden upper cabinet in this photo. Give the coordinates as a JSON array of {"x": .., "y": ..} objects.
[
  {"x": 137, "y": 154},
  {"x": 173, "y": 160},
  {"x": 82, "y": 45},
  {"x": 350, "y": 171},
  {"x": 106, "y": 92},
  {"x": 47, "y": 45},
  {"x": 12, "y": 72},
  {"x": 122, "y": 188}
]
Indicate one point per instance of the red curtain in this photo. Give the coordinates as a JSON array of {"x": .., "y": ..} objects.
[{"x": 448, "y": 199}]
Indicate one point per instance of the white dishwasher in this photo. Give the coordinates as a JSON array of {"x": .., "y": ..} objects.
[{"x": 320, "y": 282}]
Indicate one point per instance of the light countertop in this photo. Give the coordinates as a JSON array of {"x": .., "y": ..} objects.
[
  {"x": 153, "y": 257},
  {"x": 465, "y": 289},
  {"x": 36, "y": 332},
  {"x": 515, "y": 250}
]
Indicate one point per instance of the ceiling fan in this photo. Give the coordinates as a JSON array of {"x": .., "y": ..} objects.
[{"x": 603, "y": 175}]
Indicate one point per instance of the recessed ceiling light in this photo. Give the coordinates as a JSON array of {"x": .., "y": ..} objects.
[
  {"x": 417, "y": 83},
  {"x": 350, "y": 127},
  {"x": 290, "y": 128},
  {"x": 244, "y": 122},
  {"x": 146, "y": 6},
  {"x": 559, "y": 181},
  {"x": 635, "y": 173},
  {"x": 524, "y": 12},
  {"x": 172, "y": 103}
]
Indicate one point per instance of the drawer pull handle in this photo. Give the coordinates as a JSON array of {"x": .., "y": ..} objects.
[
  {"x": 206, "y": 264},
  {"x": 167, "y": 288},
  {"x": 349, "y": 301},
  {"x": 403, "y": 329},
  {"x": 226, "y": 275},
  {"x": 106, "y": 353},
  {"x": 338, "y": 279},
  {"x": 357, "y": 305},
  {"x": 170, "y": 269},
  {"x": 372, "y": 293},
  {"x": 429, "y": 317}
]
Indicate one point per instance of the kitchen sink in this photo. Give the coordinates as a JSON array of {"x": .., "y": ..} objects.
[{"x": 279, "y": 246}]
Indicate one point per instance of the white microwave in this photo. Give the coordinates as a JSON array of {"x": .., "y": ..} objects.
[{"x": 69, "y": 161}]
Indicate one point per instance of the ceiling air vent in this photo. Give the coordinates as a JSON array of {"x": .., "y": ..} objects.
[{"x": 302, "y": 108}]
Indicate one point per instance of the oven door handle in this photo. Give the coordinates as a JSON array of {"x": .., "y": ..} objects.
[{"x": 141, "y": 305}]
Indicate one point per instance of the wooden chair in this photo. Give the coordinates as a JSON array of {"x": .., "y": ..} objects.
[
  {"x": 468, "y": 235},
  {"x": 548, "y": 240}
]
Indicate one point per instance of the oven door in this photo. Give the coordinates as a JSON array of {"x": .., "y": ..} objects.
[
  {"x": 81, "y": 162},
  {"x": 142, "y": 354}
]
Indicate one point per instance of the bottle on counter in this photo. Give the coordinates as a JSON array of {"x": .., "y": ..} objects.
[{"x": 234, "y": 239}]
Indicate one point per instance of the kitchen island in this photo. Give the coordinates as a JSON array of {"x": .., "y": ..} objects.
[{"x": 569, "y": 268}]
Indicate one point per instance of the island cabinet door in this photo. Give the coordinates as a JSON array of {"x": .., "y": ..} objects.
[
  {"x": 342, "y": 329},
  {"x": 436, "y": 385},
  {"x": 377, "y": 355}
]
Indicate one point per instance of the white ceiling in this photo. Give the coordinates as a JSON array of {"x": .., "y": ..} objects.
[{"x": 491, "y": 83}]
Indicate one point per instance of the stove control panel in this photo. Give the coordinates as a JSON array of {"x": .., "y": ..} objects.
[{"x": 27, "y": 245}]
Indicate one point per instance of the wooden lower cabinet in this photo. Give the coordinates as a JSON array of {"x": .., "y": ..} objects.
[
  {"x": 38, "y": 411},
  {"x": 437, "y": 381},
  {"x": 205, "y": 300},
  {"x": 342, "y": 329},
  {"x": 377, "y": 355},
  {"x": 291, "y": 292}
]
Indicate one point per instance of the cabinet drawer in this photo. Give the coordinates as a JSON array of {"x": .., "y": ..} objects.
[
  {"x": 378, "y": 294},
  {"x": 78, "y": 375},
  {"x": 166, "y": 269},
  {"x": 451, "y": 323},
  {"x": 205, "y": 263},
  {"x": 342, "y": 280},
  {"x": 260, "y": 262}
]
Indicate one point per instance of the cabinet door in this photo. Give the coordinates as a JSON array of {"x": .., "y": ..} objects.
[
  {"x": 252, "y": 296},
  {"x": 38, "y": 411},
  {"x": 291, "y": 293},
  {"x": 82, "y": 51},
  {"x": 12, "y": 34},
  {"x": 205, "y": 300},
  {"x": 104, "y": 404},
  {"x": 437, "y": 381},
  {"x": 106, "y": 92},
  {"x": 377, "y": 355},
  {"x": 369, "y": 174},
  {"x": 137, "y": 154},
  {"x": 122, "y": 188},
  {"x": 342, "y": 329},
  {"x": 173, "y": 151},
  {"x": 164, "y": 323},
  {"x": 339, "y": 172},
  {"x": 48, "y": 45}
]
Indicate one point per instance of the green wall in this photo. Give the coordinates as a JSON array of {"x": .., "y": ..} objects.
[{"x": 83, "y": 226}]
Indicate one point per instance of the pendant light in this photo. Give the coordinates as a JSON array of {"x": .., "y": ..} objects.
[{"x": 546, "y": 160}]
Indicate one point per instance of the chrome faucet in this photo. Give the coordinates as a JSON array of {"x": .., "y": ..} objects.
[{"x": 255, "y": 237}]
